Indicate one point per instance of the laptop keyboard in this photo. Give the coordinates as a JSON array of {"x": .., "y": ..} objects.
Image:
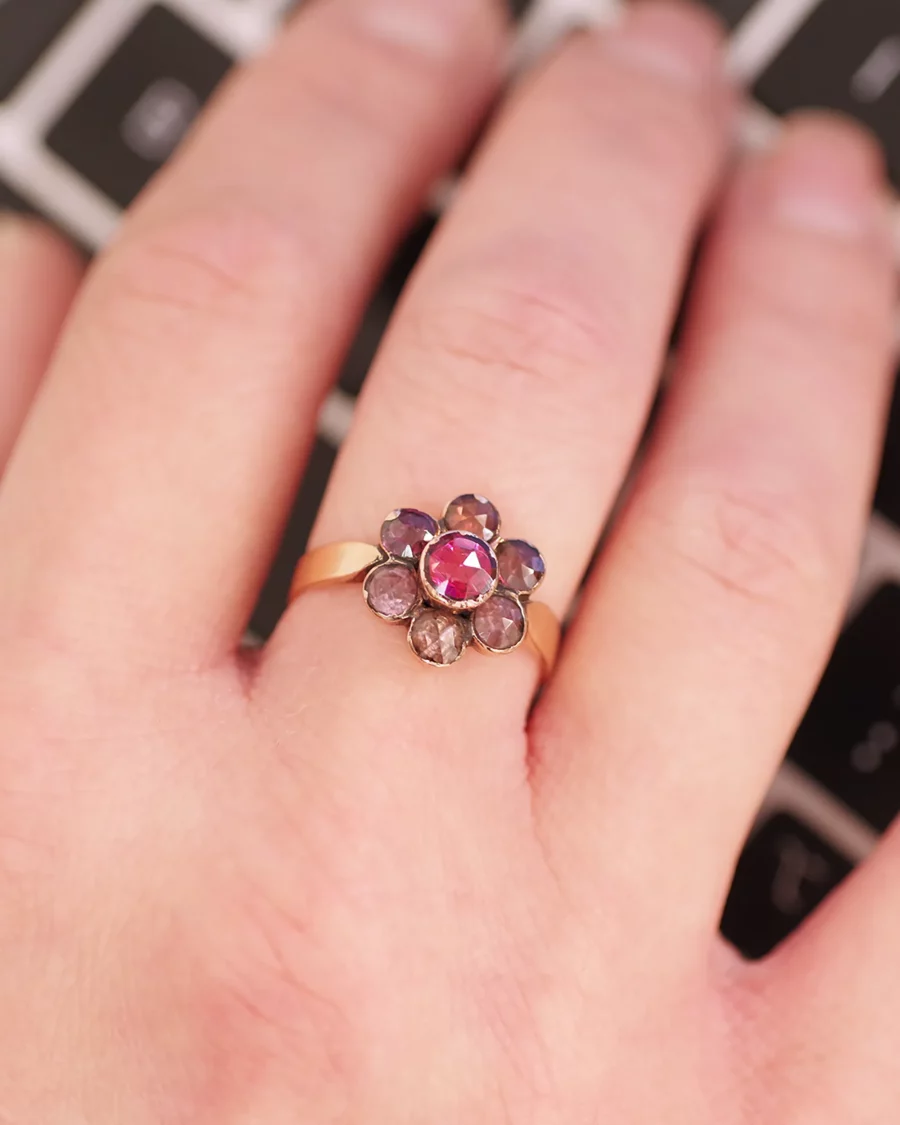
[
  {"x": 785, "y": 872},
  {"x": 846, "y": 57},
  {"x": 137, "y": 86},
  {"x": 887, "y": 498},
  {"x": 10, "y": 200},
  {"x": 130, "y": 118},
  {"x": 27, "y": 28},
  {"x": 275, "y": 593},
  {"x": 731, "y": 11},
  {"x": 382, "y": 305},
  {"x": 850, "y": 738}
]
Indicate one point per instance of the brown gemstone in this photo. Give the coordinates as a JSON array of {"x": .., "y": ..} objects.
[
  {"x": 473, "y": 514},
  {"x": 392, "y": 590},
  {"x": 521, "y": 565},
  {"x": 405, "y": 532},
  {"x": 438, "y": 636},
  {"x": 499, "y": 623}
]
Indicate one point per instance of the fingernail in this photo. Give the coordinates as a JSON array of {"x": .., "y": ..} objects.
[
  {"x": 676, "y": 41},
  {"x": 431, "y": 26},
  {"x": 827, "y": 176}
]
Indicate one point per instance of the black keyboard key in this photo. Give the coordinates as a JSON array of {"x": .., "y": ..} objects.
[
  {"x": 27, "y": 28},
  {"x": 519, "y": 8},
  {"x": 130, "y": 118},
  {"x": 11, "y": 200},
  {"x": 379, "y": 311},
  {"x": 783, "y": 875},
  {"x": 887, "y": 498},
  {"x": 730, "y": 11},
  {"x": 845, "y": 57},
  {"x": 274, "y": 597},
  {"x": 850, "y": 738}
]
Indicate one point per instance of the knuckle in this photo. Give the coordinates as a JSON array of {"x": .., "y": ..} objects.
[
  {"x": 670, "y": 143},
  {"x": 826, "y": 295},
  {"x": 755, "y": 544},
  {"x": 219, "y": 264},
  {"x": 664, "y": 144},
  {"x": 395, "y": 81},
  {"x": 505, "y": 336}
]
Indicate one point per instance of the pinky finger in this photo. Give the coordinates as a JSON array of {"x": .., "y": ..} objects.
[
  {"x": 829, "y": 998},
  {"x": 39, "y": 275}
]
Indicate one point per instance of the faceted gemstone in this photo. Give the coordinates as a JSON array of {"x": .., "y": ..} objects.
[
  {"x": 522, "y": 566},
  {"x": 392, "y": 590},
  {"x": 473, "y": 514},
  {"x": 499, "y": 623},
  {"x": 460, "y": 568},
  {"x": 438, "y": 636},
  {"x": 405, "y": 533}
]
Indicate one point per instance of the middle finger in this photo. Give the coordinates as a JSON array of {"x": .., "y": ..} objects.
[{"x": 526, "y": 351}]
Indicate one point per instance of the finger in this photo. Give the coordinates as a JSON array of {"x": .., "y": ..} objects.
[
  {"x": 524, "y": 355},
  {"x": 829, "y": 998},
  {"x": 39, "y": 274},
  {"x": 714, "y": 607},
  {"x": 186, "y": 392}
]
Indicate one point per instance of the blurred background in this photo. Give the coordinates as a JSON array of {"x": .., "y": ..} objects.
[{"x": 95, "y": 95}]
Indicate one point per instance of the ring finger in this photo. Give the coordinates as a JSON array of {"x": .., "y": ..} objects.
[{"x": 525, "y": 353}]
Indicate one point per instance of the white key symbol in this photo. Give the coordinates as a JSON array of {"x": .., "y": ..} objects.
[
  {"x": 879, "y": 72},
  {"x": 796, "y": 865},
  {"x": 160, "y": 118}
]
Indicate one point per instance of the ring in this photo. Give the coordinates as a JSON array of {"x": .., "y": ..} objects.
[{"x": 453, "y": 582}]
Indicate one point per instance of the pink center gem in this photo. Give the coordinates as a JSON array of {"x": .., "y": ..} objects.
[{"x": 460, "y": 568}]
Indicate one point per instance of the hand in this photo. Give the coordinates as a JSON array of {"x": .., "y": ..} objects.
[{"x": 324, "y": 883}]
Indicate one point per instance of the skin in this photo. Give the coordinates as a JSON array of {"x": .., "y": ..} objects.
[{"x": 325, "y": 883}]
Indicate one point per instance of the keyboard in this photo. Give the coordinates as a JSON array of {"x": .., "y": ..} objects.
[{"x": 96, "y": 95}]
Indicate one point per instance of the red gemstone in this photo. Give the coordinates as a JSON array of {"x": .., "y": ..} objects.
[
  {"x": 522, "y": 567},
  {"x": 405, "y": 533},
  {"x": 499, "y": 623},
  {"x": 460, "y": 568},
  {"x": 392, "y": 590},
  {"x": 473, "y": 514}
]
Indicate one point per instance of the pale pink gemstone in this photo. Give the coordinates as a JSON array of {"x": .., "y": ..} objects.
[
  {"x": 460, "y": 568},
  {"x": 405, "y": 533},
  {"x": 392, "y": 590},
  {"x": 522, "y": 567},
  {"x": 438, "y": 636},
  {"x": 499, "y": 623},
  {"x": 474, "y": 514}
]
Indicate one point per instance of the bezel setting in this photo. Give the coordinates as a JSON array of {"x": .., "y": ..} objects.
[
  {"x": 487, "y": 529},
  {"x": 479, "y": 547},
  {"x": 380, "y": 569},
  {"x": 460, "y": 621},
  {"x": 505, "y": 595},
  {"x": 522, "y": 545},
  {"x": 438, "y": 558}
]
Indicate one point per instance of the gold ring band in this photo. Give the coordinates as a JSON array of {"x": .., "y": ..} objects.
[{"x": 338, "y": 564}]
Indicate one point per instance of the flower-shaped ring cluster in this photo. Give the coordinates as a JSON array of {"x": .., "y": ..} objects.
[{"x": 454, "y": 580}]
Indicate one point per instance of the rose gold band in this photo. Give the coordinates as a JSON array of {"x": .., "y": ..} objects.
[{"x": 338, "y": 563}]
